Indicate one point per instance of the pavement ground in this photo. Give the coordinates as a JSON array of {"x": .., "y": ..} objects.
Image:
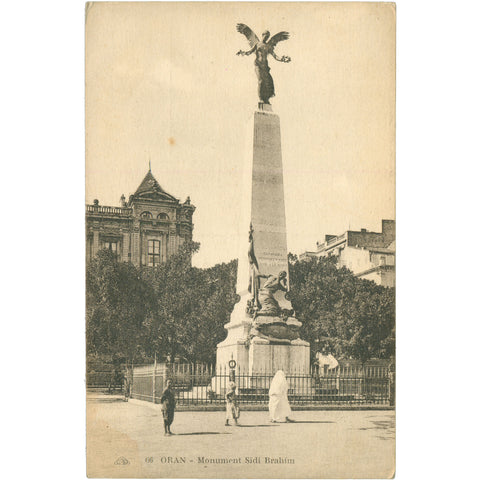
[{"x": 126, "y": 440}]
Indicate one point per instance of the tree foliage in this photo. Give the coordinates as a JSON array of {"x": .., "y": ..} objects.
[
  {"x": 173, "y": 309},
  {"x": 192, "y": 306},
  {"x": 354, "y": 318},
  {"x": 119, "y": 302}
]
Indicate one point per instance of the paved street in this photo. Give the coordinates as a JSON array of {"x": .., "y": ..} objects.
[{"x": 126, "y": 440}]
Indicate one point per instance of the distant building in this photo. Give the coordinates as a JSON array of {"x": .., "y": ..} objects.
[
  {"x": 369, "y": 255},
  {"x": 145, "y": 231}
]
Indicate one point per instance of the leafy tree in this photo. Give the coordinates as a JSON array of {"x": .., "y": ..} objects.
[
  {"x": 354, "y": 317},
  {"x": 213, "y": 312},
  {"x": 118, "y": 304},
  {"x": 175, "y": 309},
  {"x": 191, "y": 306}
]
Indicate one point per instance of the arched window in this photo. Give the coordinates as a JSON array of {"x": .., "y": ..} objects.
[
  {"x": 146, "y": 215},
  {"x": 163, "y": 216}
]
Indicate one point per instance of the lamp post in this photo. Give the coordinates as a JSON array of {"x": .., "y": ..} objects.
[{"x": 232, "y": 364}]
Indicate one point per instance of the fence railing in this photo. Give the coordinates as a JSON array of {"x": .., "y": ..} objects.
[
  {"x": 107, "y": 380},
  {"x": 335, "y": 239},
  {"x": 198, "y": 384}
]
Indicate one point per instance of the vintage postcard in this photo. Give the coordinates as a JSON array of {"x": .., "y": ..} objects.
[{"x": 240, "y": 240}]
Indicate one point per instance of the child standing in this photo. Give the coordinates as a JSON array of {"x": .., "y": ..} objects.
[{"x": 232, "y": 412}]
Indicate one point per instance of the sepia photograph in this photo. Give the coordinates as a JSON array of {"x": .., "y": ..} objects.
[
  {"x": 227, "y": 239},
  {"x": 240, "y": 239}
]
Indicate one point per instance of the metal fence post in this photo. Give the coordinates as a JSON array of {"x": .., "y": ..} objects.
[
  {"x": 154, "y": 380},
  {"x": 232, "y": 364},
  {"x": 131, "y": 383},
  {"x": 391, "y": 384}
]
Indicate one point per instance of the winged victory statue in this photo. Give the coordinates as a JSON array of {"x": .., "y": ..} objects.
[{"x": 262, "y": 49}]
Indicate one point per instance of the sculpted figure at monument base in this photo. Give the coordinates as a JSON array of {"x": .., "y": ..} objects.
[{"x": 266, "y": 300}]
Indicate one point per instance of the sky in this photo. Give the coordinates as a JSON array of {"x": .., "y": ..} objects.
[{"x": 163, "y": 84}]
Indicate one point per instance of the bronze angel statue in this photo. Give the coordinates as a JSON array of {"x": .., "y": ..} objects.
[{"x": 262, "y": 49}]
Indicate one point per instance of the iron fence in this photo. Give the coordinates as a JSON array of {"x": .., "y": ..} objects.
[
  {"x": 106, "y": 380},
  {"x": 199, "y": 384}
]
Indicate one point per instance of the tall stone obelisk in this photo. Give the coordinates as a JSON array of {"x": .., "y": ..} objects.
[
  {"x": 263, "y": 336},
  {"x": 263, "y": 333}
]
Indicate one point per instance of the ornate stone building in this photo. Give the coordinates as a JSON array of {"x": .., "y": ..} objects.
[{"x": 144, "y": 231}]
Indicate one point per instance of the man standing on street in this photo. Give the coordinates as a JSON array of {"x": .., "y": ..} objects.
[{"x": 167, "y": 401}]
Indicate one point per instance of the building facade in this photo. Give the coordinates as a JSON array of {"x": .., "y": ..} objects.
[
  {"x": 369, "y": 255},
  {"x": 146, "y": 230}
]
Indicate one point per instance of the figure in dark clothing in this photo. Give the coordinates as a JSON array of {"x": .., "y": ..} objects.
[
  {"x": 167, "y": 401},
  {"x": 232, "y": 411}
]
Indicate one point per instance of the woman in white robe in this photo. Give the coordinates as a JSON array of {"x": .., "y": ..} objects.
[{"x": 278, "y": 405}]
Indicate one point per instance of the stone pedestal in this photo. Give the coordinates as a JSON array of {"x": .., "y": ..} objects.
[
  {"x": 263, "y": 206},
  {"x": 258, "y": 360},
  {"x": 268, "y": 356}
]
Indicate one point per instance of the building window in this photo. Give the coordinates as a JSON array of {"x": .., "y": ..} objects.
[
  {"x": 112, "y": 246},
  {"x": 162, "y": 216},
  {"x": 146, "y": 215},
  {"x": 153, "y": 253}
]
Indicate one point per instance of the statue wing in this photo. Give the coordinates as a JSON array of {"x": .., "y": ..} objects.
[
  {"x": 248, "y": 32},
  {"x": 278, "y": 37}
]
